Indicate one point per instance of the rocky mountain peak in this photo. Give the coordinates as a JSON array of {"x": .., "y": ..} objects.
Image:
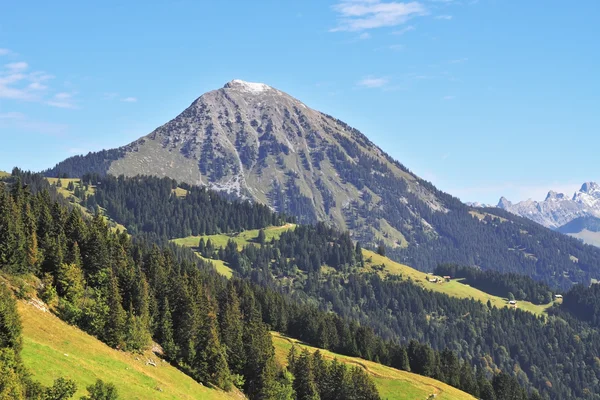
[
  {"x": 249, "y": 87},
  {"x": 591, "y": 188},
  {"x": 504, "y": 203},
  {"x": 555, "y": 196},
  {"x": 558, "y": 209}
]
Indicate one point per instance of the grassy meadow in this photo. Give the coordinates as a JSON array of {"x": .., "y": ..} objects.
[
  {"x": 52, "y": 348},
  {"x": 392, "y": 384},
  {"x": 454, "y": 288}
]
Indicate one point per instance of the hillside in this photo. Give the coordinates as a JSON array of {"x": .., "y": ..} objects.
[
  {"x": 255, "y": 142},
  {"x": 4, "y": 174},
  {"x": 373, "y": 263},
  {"x": 392, "y": 384},
  {"x": 53, "y": 349},
  {"x": 586, "y": 229}
]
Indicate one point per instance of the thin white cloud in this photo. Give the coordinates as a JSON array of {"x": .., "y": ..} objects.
[
  {"x": 444, "y": 17},
  {"x": 373, "y": 82},
  {"x": 404, "y": 30},
  {"x": 16, "y": 83},
  {"x": 365, "y": 35},
  {"x": 4, "y": 52},
  {"x": 458, "y": 60},
  {"x": 449, "y": 97},
  {"x": 12, "y": 115},
  {"x": 62, "y": 100},
  {"x": 37, "y": 86},
  {"x": 396, "y": 47},
  {"x": 17, "y": 66},
  {"x": 359, "y": 15},
  {"x": 130, "y": 99}
]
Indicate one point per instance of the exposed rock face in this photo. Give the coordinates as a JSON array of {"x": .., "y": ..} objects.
[
  {"x": 254, "y": 141},
  {"x": 558, "y": 209}
]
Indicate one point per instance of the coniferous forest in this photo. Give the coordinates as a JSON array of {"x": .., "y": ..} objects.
[{"x": 129, "y": 290}]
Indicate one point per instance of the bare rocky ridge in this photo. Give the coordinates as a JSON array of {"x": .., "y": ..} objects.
[
  {"x": 558, "y": 209},
  {"x": 254, "y": 141}
]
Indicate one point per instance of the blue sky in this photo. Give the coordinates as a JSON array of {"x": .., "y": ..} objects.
[{"x": 484, "y": 98}]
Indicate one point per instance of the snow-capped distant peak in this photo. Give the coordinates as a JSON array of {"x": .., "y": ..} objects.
[
  {"x": 558, "y": 209},
  {"x": 249, "y": 87},
  {"x": 590, "y": 188},
  {"x": 554, "y": 196}
]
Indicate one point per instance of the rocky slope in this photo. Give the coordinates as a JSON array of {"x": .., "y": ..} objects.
[
  {"x": 558, "y": 209},
  {"x": 253, "y": 141}
]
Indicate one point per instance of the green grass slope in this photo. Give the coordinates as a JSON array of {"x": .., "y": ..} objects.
[
  {"x": 4, "y": 174},
  {"x": 70, "y": 195},
  {"x": 52, "y": 348},
  {"x": 241, "y": 239},
  {"x": 454, "y": 288},
  {"x": 392, "y": 384}
]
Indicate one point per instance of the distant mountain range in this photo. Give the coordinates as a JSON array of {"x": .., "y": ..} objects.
[
  {"x": 578, "y": 215},
  {"x": 253, "y": 141}
]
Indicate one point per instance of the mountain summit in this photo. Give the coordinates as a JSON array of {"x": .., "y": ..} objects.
[
  {"x": 257, "y": 142},
  {"x": 253, "y": 141},
  {"x": 558, "y": 209}
]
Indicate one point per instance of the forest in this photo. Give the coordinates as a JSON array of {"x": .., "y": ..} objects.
[
  {"x": 510, "y": 285},
  {"x": 127, "y": 292},
  {"x": 489, "y": 338}
]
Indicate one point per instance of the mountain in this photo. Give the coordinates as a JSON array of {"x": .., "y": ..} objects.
[
  {"x": 257, "y": 142},
  {"x": 569, "y": 215},
  {"x": 253, "y": 141},
  {"x": 586, "y": 229}
]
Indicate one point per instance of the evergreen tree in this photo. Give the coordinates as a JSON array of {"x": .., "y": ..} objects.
[
  {"x": 304, "y": 379},
  {"x": 210, "y": 363},
  {"x": 165, "y": 331},
  {"x": 231, "y": 328},
  {"x": 115, "y": 322}
]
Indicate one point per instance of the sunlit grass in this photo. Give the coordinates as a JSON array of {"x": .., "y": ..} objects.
[{"x": 392, "y": 384}]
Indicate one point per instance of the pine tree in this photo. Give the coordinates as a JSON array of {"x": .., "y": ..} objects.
[
  {"x": 210, "y": 363},
  {"x": 261, "y": 238},
  {"x": 467, "y": 380},
  {"x": 304, "y": 379},
  {"x": 115, "y": 322},
  {"x": 70, "y": 283},
  {"x": 165, "y": 331},
  {"x": 231, "y": 328},
  {"x": 486, "y": 390}
]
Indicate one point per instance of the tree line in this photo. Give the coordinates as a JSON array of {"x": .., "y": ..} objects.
[
  {"x": 16, "y": 382},
  {"x": 510, "y": 285},
  {"x": 149, "y": 205},
  {"x": 526, "y": 346}
]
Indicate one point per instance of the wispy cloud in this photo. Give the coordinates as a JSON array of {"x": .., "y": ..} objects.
[
  {"x": 404, "y": 30},
  {"x": 18, "y": 83},
  {"x": 358, "y": 15},
  {"x": 396, "y": 47},
  {"x": 130, "y": 99},
  {"x": 449, "y": 97},
  {"x": 444, "y": 17},
  {"x": 62, "y": 100},
  {"x": 373, "y": 82},
  {"x": 365, "y": 35},
  {"x": 17, "y": 66},
  {"x": 458, "y": 60},
  {"x": 4, "y": 52}
]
